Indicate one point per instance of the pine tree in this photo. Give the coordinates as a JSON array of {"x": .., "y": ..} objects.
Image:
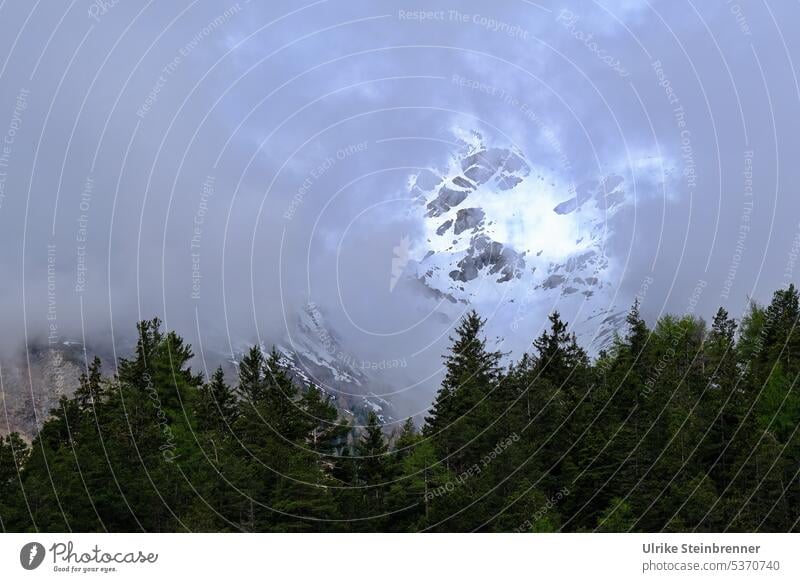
[
  {"x": 252, "y": 372},
  {"x": 405, "y": 441},
  {"x": 323, "y": 431},
  {"x": 558, "y": 381},
  {"x": 218, "y": 407},
  {"x": 90, "y": 389},
  {"x": 637, "y": 333},
  {"x": 14, "y": 455},
  {"x": 558, "y": 355},
  {"x": 460, "y": 413},
  {"x": 373, "y": 452},
  {"x": 372, "y": 473}
]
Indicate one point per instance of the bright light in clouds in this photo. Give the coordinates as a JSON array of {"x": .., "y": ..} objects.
[
  {"x": 524, "y": 219},
  {"x": 498, "y": 228}
]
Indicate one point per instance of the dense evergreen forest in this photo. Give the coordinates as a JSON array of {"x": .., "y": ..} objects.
[{"x": 682, "y": 427}]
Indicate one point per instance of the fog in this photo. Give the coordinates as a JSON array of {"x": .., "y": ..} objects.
[{"x": 221, "y": 166}]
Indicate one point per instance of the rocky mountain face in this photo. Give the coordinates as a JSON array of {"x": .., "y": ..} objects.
[
  {"x": 498, "y": 227},
  {"x": 464, "y": 231},
  {"x": 33, "y": 381},
  {"x": 315, "y": 354}
]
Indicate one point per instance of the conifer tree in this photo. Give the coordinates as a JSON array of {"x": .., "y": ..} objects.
[
  {"x": 252, "y": 372},
  {"x": 90, "y": 389},
  {"x": 218, "y": 408},
  {"x": 373, "y": 452},
  {"x": 14, "y": 454},
  {"x": 460, "y": 413},
  {"x": 637, "y": 333}
]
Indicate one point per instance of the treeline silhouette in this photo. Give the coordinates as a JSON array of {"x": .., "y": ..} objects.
[{"x": 682, "y": 427}]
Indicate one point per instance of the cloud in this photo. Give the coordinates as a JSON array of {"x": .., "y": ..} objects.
[{"x": 272, "y": 103}]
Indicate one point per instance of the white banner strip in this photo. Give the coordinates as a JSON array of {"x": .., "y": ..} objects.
[{"x": 400, "y": 557}]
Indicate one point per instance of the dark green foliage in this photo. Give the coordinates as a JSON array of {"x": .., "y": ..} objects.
[
  {"x": 217, "y": 406},
  {"x": 14, "y": 455},
  {"x": 674, "y": 428}
]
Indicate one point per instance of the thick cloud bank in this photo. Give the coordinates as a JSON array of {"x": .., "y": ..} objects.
[{"x": 226, "y": 166}]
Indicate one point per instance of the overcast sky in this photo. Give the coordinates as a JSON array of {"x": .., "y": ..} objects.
[{"x": 222, "y": 165}]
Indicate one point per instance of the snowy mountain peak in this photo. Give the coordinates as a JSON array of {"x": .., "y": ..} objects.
[{"x": 498, "y": 226}]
